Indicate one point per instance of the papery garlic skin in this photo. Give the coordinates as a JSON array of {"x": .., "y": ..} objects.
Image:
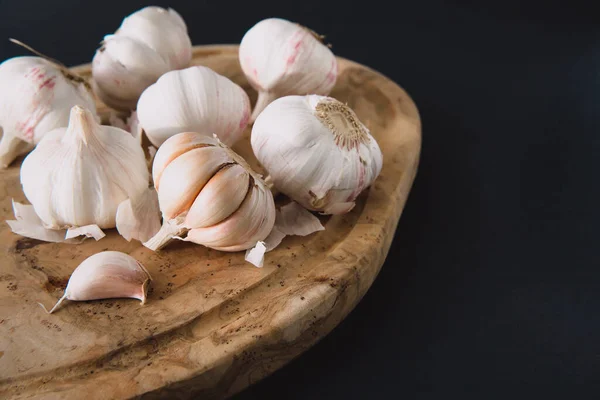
[
  {"x": 148, "y": 43},
  {"x": 209, "y": 191},
  {"x": 194, "y": 99},
  {"x": 37, "y": 96},
  {"x": 107, "y": 275},
  {"x": 79, "y": 175},
  {"x": 281, "y": 58},
  {"x": 316, "y": 151}
]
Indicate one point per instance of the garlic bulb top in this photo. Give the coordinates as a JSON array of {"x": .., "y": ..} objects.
[
  {"x": 316, "y": 151},
  {"x": 148, "y": 43},
  {"x": 77, "y": 176},
  {"x": 282, "y": 58},
  {"x": 212, "y": 192},
  {"x": 195, "y": 99},
  {"x": 37, "y": 96}
]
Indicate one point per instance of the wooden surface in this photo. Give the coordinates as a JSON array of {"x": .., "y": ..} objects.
[{"x": 213, "y": 324}]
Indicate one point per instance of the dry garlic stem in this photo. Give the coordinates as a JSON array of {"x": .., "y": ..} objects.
[
  {"x": 148, "y": 43},
  {"x": 316, "y": 151},
  {"x": 210, "y": 192},
  {"x": 106, "y": 275},
  {"x": 195, "y": 99},
  {"x": 37, "y": 95},
  {"x": 282, "y": 58},
  {"x": 77, "y": 176}
]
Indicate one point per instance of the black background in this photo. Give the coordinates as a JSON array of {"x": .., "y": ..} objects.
[{"x": 491, "y": 287}]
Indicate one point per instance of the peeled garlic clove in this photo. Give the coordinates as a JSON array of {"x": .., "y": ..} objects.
[
  {"x": 209, "y": 192},
  {"x": 195, "y": 99},
  {"x": 107, "y": 275},
  {"x": 139, "y": 218},
  {"x": 316, "y": 151},
  {"x": 41, "y": 95},
  {"x": 282, "y": 58},
  {"x": 148, "y": 43},
  {"x": 79, "y": 175}
]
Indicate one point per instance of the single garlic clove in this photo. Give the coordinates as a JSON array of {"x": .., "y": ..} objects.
[
  {"x": 239, "y": 230},
  {"x": 316, "y": 151},
  {"x": 194, "y": 99},
  {"x": 139, "y": 218},
  {"x": 185, "y": 176},
  {"x": 219, "y": 198},
  {"x": 176, "y": 146},
  {"x": 107, "y": 275},
  {"x": 282, "y": 58}
]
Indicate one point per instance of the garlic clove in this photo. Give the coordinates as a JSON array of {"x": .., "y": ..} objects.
[
  {"x": 107, "y": 275},
  {"x": 185, "y": 176},
  {"x": 219, "y": 198},
  {"x": 281, "y": 58},
  {"x": 139, "y": 218},
  {"x": 194, "y": 99},
  {"x": 176, "y": 146},
  {"x": 238, "y": 232}
]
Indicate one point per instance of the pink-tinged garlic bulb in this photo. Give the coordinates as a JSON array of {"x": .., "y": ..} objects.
[
  {"x": 148, "y": 43},
  {"x": 36, "y": 97},
  {"x": 316, "y": 151},
  {"x": 195, "y": 99},
  {"x": 209, "y": 192},
  {"x": 281, "y": 58}
]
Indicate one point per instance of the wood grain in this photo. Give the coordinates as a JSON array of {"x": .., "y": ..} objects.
[{"x": 213, "y": 324}]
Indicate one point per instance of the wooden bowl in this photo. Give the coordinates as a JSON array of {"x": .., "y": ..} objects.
[{"x": 213, "y": 324}]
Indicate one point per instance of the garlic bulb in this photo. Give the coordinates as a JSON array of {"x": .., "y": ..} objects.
[
  {"x": 106, "y": 275},
  {"x": 210, "y": 192},
  {"x": 316, "y": 151},
  {"x": 148, "y": 43},
  {"x": 78, "y": 176},
  {"x": 37, "y": 95},
  {"x": 281, "y": 58},
  {"x": 195, "y": 99}
]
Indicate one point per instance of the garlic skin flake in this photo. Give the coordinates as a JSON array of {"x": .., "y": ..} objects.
[
  {"x": 281, "y": 58},
  {"x": 316, "y": 151},
  {"x": 209, "y": 192},
  {"x": 139, "y": 218},
  {"x": 149, "y": 43},
  {"x": 106, "y": 275},
  {"x": 37, "y": 96},
  {"x": 79, "y": 175},
  {"x": 195, "y": 99}
]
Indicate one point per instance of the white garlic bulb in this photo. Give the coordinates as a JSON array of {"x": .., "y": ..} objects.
[
  {"x": 210, "y": 192},
  {"x": 78, "y": 176},
  {"x": 148, "y": 43},
  {"x": 195, "y": 99},
  {"x": 281, "y": 58},
  {"x": 37, "y": 96},
  {"x": 316, "y": 151}
]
